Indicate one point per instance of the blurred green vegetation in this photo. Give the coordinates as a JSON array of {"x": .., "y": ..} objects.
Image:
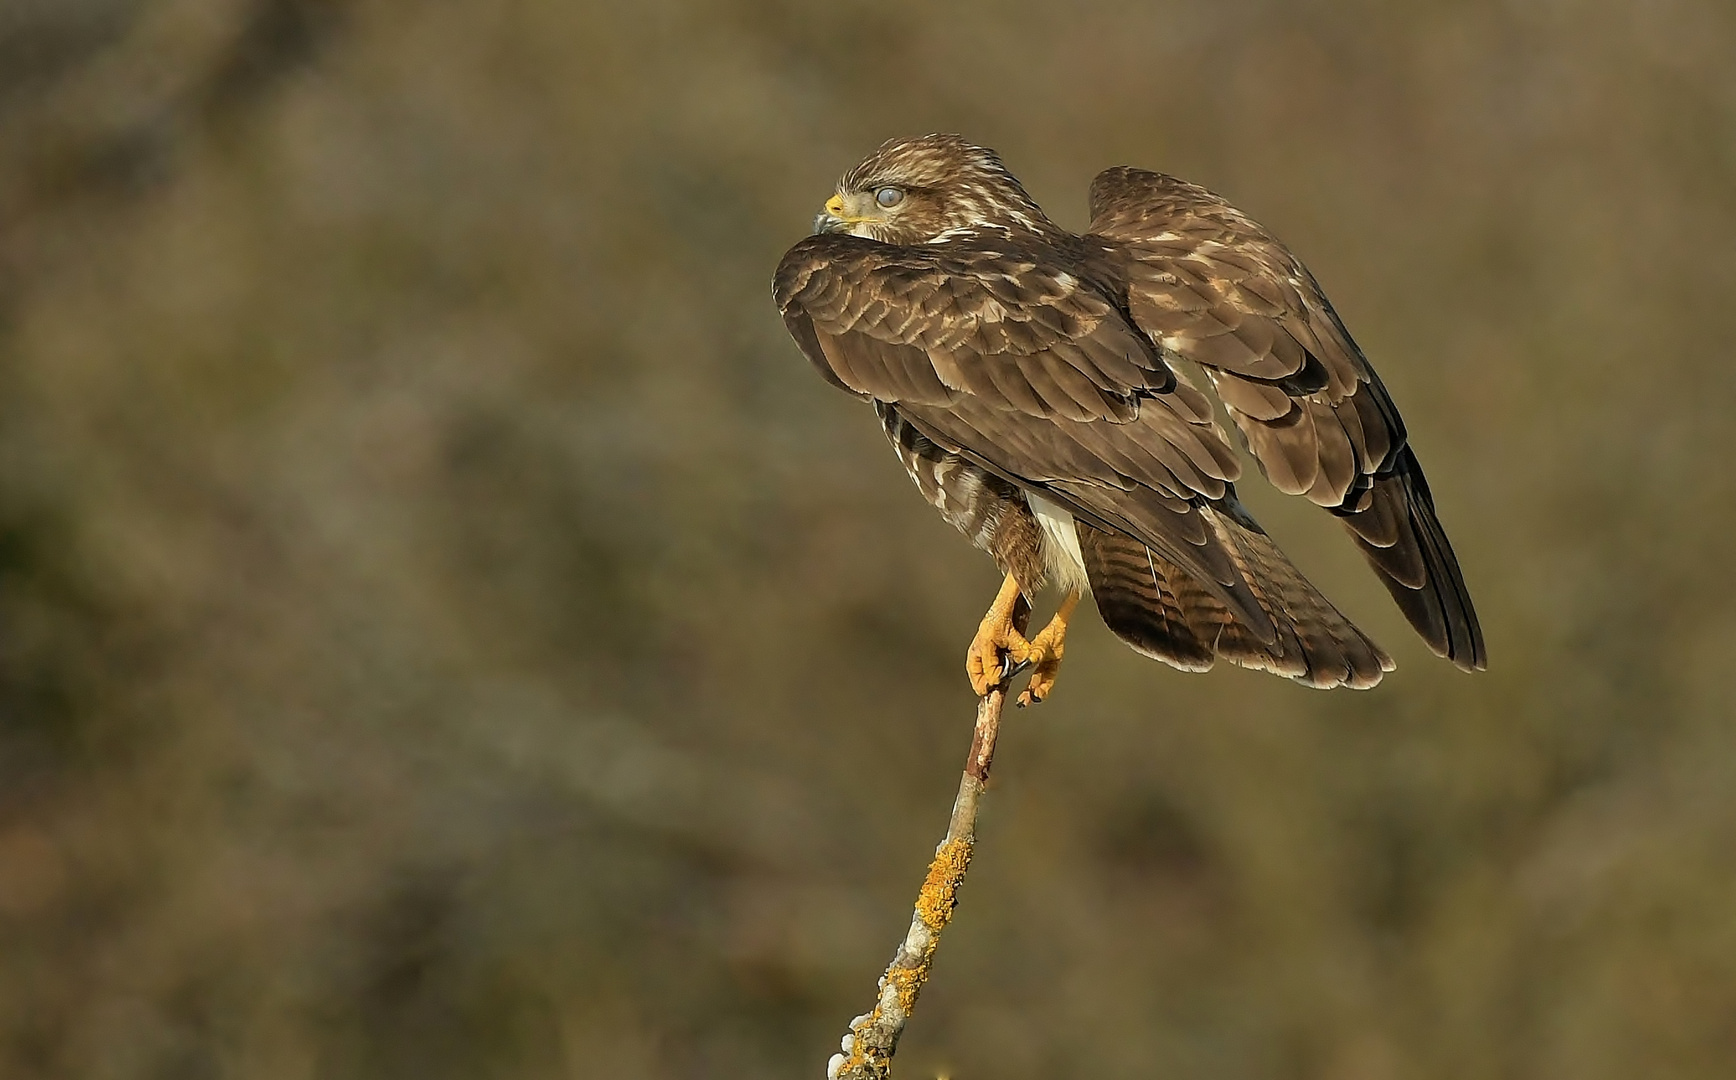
[{"x": 447, "y": 631}]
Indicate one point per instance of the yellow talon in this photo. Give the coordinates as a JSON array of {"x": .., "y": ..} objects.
[
  {"x": 999, "y": 634},
  {"x": 1000, "y": 645},
  {"x": 1044, "y": 653}
]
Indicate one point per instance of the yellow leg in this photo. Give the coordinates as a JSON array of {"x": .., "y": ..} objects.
[
  {"x": 998, "y": 634},
  {"x": 1044, "y": 652}
]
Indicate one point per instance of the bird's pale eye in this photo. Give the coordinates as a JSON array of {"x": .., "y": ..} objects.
[{"x": 889, "y": 197}]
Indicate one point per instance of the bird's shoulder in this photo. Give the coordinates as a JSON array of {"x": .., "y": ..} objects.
[
  {"x": 1141, "y": 204},
  {"x": 970, "y": 276}
]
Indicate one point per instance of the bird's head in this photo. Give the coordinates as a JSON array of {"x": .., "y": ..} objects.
[{"x": 916, "y": 191}]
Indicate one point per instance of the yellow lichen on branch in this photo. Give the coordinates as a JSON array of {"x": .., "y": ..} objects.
[{"x": 939, "y": 893}]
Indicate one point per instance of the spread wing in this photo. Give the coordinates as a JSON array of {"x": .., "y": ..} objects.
[
  {"x": 1031, "y": 373},
  {"x": 1209, "y": 284}
]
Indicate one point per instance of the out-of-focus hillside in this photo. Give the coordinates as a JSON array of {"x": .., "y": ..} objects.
[{"x": 446, "y": 630}]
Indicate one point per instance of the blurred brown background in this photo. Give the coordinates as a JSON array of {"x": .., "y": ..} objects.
[{"x": 447, "y": 631}]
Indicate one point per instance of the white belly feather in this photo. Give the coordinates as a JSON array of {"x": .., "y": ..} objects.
[{"x": 1061, "y": 553}]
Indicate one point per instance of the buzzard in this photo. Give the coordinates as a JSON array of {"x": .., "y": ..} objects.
[{"x": 1035, "y": 384}]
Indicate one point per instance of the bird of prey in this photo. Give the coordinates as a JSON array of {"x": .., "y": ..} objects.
[{"x": 1035, "y": 384}]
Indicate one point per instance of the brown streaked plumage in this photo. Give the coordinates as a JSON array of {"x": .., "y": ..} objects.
[{"x": 1025, "y": 376}]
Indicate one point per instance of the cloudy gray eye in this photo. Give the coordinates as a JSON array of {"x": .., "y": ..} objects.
[{"x": 889, "y": 197}]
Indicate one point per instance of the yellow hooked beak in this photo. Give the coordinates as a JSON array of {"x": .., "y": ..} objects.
[
  {"x": 837, "y": 207},
  {"x": 840, "y": 215}
]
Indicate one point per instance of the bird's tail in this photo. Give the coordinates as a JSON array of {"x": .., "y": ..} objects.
[{"x": 1159, "y": 610}]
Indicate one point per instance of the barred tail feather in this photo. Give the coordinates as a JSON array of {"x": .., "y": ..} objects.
[
  {"x": 1147, "y": 602},
  {"x": 1160, "y": 611}
]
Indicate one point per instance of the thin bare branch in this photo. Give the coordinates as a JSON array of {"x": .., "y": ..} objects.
[{"x": 873, "y": 1038}]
